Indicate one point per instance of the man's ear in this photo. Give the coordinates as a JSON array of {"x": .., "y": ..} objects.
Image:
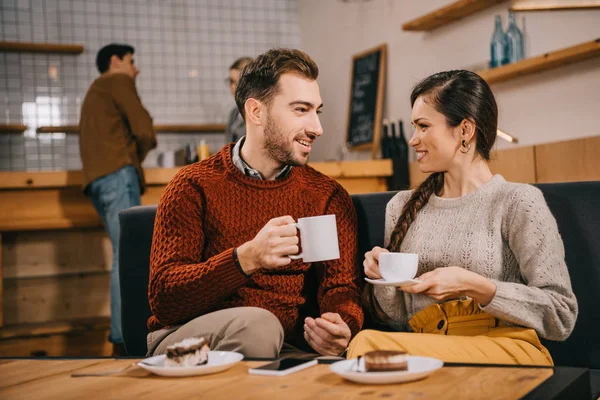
[
  {"x": 254, "y": 111},
  {"x": 467, "y": 130},
  {"x": 114, "y": 59}
]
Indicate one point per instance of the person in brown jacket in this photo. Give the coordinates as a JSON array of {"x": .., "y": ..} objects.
[{"x": 115, "y": 136}]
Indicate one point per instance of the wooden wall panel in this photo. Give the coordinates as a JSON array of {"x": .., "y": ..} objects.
[
  {"x": 46, "y": 253},
  {"x": 515, "y": 165},
  {"x": 152, "y": 195},
  {"x": 92, "y": 343},
  {"x": 365, "y": 185},
  {"x": 54, "y": 208},
  {"x": 354, "y": 169},
  {"x": 36, "y": 209},
  {"x": 569, "y": 161},
  {"x": 58, "y": 298}
]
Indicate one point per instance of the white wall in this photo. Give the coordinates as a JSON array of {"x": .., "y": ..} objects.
[
  {"x": 555, "y": 105},
  {"x": 183, "y": 48}
]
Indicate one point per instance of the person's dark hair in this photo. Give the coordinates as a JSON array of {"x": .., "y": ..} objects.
[
  {"x": 260, "y": 78},
  {"x": 104, "y": 55},
  {"x": 241, "y": 62},
  {"x": 458, "y": 95}
]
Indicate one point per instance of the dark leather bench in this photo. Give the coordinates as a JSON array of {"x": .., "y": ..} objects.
[{"x": 576, "y": 207}]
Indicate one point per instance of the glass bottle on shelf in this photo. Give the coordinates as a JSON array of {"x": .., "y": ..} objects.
[
  {"x": 514, "y": 38},
  {"x": 498, "y": 45}
]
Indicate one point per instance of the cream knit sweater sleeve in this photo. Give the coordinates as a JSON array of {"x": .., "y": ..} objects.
[{"x": 545, "y": 300}]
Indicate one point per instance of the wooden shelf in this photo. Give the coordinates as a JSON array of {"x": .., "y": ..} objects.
[
  {"x": 450, "y": 13},
  {"x": 12, "y": 128},
  {"x": 204, "y": 128},
  {"x": 41, "y": 47},
  {"x": 546, "y": 61},
  {"x": 553, "y": 5},
  {"x": 58, "y": 129},
  {"x": 198, "y": 128}
]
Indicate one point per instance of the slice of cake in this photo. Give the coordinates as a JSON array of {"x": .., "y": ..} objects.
[
  {"x": 188, "y": 353},
  {"x": 385, "y": 360}
]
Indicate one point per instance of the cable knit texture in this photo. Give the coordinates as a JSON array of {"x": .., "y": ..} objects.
[
  {"x": 209, "y": 208},
  {"x": 503, "y": 231}
]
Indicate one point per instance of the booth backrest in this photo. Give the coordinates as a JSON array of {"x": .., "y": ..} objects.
[
  {"x": 576, "y": 207},
  {"x": 135, "y": 242}
]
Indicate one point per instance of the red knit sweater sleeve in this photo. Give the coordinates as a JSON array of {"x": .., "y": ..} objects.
[
  {"x": 182, "y": 286},
  {"x": 340, "y": 286}
]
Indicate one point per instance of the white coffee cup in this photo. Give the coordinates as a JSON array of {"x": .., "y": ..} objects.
[
  {"x": 398, "y": 267},
  {"x": 318, "y": 238}
]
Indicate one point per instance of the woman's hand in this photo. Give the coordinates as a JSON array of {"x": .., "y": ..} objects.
[
  {"x": 454, "y": 282},
  {"x": 371, "y": 262}
]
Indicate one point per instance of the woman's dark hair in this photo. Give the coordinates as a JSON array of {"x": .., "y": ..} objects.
[
  {"x": 458, "y": 95},
  {"x": 104, "y": 55}
]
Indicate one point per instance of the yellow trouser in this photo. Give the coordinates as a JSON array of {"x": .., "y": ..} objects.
[{"x": 458, "y": 331}]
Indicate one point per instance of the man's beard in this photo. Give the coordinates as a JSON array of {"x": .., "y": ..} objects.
[{"x": 276, "y": 146}]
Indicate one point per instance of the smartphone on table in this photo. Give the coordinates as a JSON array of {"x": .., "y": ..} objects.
[{"x": 283, "y": 366}]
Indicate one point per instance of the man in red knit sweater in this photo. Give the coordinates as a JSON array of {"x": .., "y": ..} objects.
[{"x": 224, "y": 231}]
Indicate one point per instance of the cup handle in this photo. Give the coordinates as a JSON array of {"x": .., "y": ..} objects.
[{"x": 296, "y": 256}]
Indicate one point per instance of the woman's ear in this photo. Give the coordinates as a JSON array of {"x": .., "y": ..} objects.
[
  {"x": 468, "y": 130},
  {"x": 254, "y": 110}
]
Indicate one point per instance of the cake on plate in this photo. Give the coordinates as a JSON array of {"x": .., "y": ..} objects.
[
  {"x": 385, "y": 361},
  {"x": 188, "y": 353}
]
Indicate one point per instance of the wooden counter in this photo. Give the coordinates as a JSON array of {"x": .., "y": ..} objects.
[{"x": 54, "y": 200}]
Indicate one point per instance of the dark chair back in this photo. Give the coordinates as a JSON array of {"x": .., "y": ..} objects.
[
  {"x": 576, "y": 207},
  {"x": 135, "y": 242},
  {"x": 370, "y": 213}
]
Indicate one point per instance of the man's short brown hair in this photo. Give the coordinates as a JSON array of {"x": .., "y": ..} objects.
[{"x": 260, "y": 79}]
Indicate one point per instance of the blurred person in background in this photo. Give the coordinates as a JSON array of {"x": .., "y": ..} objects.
[
  {"x": 115, "y": 136},
  {"x": 236, "y": 128}
]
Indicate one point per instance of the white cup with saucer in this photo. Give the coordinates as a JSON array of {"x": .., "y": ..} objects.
[{"x": 397, "y": 269}]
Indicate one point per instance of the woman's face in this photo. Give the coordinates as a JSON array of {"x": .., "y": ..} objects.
[{"x": 436, "y": 143}]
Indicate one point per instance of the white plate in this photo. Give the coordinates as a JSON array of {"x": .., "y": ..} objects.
[
  {"x": 217, "y": 361},
  {"x": 418, "y": 368},
  {"x": 383, "y": 282}
]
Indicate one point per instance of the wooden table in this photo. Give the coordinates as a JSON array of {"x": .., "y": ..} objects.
[{"x": 51, "y": 379}]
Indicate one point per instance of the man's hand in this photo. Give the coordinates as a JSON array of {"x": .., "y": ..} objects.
[
  {"x": 328, "y": 335},
  {"x": 270, "y": 247}
]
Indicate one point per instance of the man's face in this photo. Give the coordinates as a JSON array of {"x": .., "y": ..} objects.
[
  {"x": 124, "y": 66},
  {"x": 292, "y": 121},
  {"x": 234, "y": 76}
]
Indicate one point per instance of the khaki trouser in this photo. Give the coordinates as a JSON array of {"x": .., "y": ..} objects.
[
  {"x": 458, "y": 331},
  {"x": 252, "y": 331}
]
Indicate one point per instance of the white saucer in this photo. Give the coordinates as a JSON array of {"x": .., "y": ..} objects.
[
  {"x": 418, "y": 368},
  {"x": 383, "y": 282},
  {"x": 217, "y": 361}
]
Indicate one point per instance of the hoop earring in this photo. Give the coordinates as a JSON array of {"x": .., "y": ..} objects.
[{"x": 466, "y": 146}]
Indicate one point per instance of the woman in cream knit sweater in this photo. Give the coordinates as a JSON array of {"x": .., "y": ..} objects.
[{"x": 491, "y": 260}]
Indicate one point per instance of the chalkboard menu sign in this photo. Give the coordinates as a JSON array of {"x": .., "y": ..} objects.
[{"x": 366, "y": 99}]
